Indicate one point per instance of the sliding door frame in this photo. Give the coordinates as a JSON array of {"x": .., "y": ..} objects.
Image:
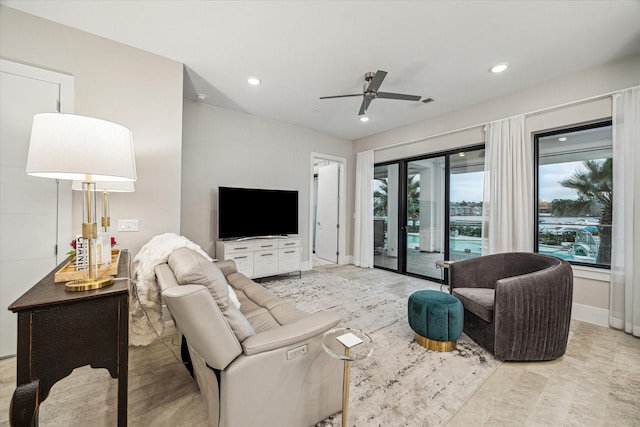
[{"x": 403, "y": 208}]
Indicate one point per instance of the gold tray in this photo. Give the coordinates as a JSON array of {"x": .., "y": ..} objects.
[{"x": 68, "y": 272}]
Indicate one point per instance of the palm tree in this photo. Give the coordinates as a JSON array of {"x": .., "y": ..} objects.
[
  {"x": 380, "y": 199},
  {"x": 413, "y": 199},
  {"x": 594, "y": 185}
]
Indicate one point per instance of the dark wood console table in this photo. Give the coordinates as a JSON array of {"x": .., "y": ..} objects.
[{"x": 59, "y": 331}]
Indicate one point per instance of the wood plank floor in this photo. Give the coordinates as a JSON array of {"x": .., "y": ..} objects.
[{"x": 597, "y": 382}]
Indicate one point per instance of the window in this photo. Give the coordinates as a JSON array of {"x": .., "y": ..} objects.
[
  {"x": 574, "y": 192},
  {"x": 466, "y": 176}
]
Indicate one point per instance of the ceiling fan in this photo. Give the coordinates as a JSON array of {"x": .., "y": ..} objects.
[{"x": 370, "y": 91}]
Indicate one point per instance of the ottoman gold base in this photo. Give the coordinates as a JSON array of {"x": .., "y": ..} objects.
[{"x": 435, "y": 345}]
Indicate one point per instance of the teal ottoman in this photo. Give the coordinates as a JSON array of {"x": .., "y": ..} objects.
[{"x": 436, "y": 318}]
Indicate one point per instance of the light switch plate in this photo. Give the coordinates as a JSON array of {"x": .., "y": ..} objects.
[{"x": 126, "y": 225}]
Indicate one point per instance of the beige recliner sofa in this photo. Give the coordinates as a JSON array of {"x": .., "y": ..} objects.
[{"x": 261, "y": 364}]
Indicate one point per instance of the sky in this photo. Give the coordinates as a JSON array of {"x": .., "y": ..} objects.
[
  {"x": 550, "y": 175},
  {"x": 468, "y": 186}
]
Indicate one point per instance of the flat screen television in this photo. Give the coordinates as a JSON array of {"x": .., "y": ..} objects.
[{"x": 253, "y": 212}]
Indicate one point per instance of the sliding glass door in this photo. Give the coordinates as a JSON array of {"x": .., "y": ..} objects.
[
  {"x": 427, "y": 210},
  {"x": 385, "y": 216},
  {"x": 425, "y": 216}
]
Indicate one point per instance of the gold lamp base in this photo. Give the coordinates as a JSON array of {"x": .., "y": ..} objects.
[
  {"x": 88, "y": 284},
  {"x": 434, "y": 345}
]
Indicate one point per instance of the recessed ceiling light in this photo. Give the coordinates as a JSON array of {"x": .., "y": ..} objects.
[
  {"x": 253, "y": 81},
  {"x": 498, "y": 68},
  {"x": 562, "y": 139},
  {"x": 364, "y": 119}
]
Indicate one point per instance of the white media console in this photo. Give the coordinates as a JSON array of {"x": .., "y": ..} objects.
[{"x": 262, "y": 257}]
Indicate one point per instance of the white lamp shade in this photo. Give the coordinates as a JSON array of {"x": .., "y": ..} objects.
[
  {"x": 110, "y": 186},
  {"x": 66, "y": 146}
]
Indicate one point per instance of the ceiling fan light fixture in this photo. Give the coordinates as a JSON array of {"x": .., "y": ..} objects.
[
  {"x": 253, "y": 81},
  {"x": 498, "y": 68},
  {"x": 364, "y": 118}
]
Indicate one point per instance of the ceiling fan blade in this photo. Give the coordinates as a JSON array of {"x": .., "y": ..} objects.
[
  {"x": 340, "y": 96},
  {"x": 365, "y": 104},
  {"x": 375, "y": 83},
  {"x": 388, "y": 95}
]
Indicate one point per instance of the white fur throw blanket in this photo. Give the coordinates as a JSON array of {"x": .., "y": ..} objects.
[{"x": 143, "y": 327}]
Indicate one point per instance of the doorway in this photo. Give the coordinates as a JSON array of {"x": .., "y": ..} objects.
[
  {"x": 428, "y": 209},
  {"x": 409, "y": 216},
  {"x": 327, "y": 209}
]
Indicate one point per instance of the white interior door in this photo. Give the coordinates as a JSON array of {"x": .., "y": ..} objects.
[
  {"x": 327, "y": 212},
  {"x": 29, "y": 206}
]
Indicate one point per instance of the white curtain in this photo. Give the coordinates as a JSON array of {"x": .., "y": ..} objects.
[
  {"x": 507, "y": 209},
  {"x": 624, "y": 301},
  {"x": 363, "y": 233}
]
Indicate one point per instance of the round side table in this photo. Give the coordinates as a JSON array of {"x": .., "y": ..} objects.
[{"x": 348, "y": 345}]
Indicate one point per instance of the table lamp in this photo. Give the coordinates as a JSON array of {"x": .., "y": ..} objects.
[
  {"x": 71, "y": 147},
  {"x": 103, "y": 241},
  {"x": 106, "y": 188}
]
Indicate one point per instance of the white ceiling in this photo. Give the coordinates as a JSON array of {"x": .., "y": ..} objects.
[{"x": 302, "y": 50}]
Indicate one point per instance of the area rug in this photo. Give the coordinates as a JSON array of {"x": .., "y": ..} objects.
[{"x": 401, "y": 383}]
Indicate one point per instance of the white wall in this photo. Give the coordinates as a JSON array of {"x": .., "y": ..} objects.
[
  {"x": 556, "y": 98},
  {"x": 228, "y": 148},
  {"x": 115, "y": 82}
]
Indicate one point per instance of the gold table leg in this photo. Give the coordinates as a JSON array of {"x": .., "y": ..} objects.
[{"x": 345, "y": 390}]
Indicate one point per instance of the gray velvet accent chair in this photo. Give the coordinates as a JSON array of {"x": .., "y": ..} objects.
[{"x": 517, "y": 305}]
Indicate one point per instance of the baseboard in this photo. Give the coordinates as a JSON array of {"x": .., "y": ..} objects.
[
  {"x": 342, "y": 260},
  {"x": 345, "y": 259},
  {"x": 589, "y": 314}
]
